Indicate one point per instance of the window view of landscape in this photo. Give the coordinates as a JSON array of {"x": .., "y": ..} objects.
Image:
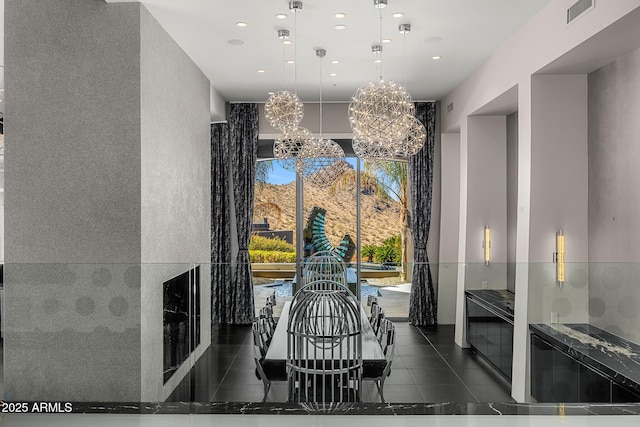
[{"x": 383, "y": 221}]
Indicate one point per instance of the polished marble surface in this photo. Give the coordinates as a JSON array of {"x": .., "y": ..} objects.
[
  {"x": 610, "y": 354},
  {"x": 501, "y": 300},
  {"x": 359, "y": 408},
  {"x": 316, "y": 420}
]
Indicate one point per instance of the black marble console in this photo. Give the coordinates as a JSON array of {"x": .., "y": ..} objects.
[
  {"x": 582, "y": 363},
  {"x": 490, "y": 326}
]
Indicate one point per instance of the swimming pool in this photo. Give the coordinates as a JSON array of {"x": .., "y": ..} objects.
[{"x": 283, "y": 289}]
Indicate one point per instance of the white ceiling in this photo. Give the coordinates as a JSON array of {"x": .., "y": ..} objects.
[{"x": 469, "y": 32}]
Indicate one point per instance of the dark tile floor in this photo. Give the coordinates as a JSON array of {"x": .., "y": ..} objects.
[{"x": 427, "y": 367}]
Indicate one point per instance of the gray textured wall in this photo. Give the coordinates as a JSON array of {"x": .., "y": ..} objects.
[
  {"x": 72, "y": 196},
  {"x": 73, "y": 97},
  {"x": 176, "y": 189},
  {"x": 486, "y": 201},
  {"x": 109, "y": 166},
  {"x": 614, "y": 201},
  {"x": 558, "y": 199},
  {"x": 512, "y": 198},
  {"x": 449, "y": 227},
  {"x": 433, "y": 244}
]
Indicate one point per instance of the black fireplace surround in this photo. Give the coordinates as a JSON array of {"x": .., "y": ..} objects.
[{"x": 181, "y": 319}]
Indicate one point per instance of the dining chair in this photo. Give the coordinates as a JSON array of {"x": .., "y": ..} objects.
[
  {"x": 375, "y": 309},
  {"x": 259, "y": 352},
  {"x": 324, "y": 337},
  {"x": 376, "y": 318},
  {"x": 387, "y": 344},
  {"x": 271, "y": 299},
  {"x": 266, "y": 314},
  {"x": 324, "y": 265}
]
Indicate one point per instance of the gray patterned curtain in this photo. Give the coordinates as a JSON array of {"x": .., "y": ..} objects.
[
  {"x": 243, "y": 134},
  {"x": 423, "y": 309},
  {"x": 220, "y": 230}
]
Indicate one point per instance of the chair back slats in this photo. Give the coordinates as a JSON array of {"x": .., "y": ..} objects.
[
  {"x": 271, "y": 300},
  {"x": 377, "y": 315},
  {"x": 324, "y": 344},
  {"x": 258, "y": 329},
  {"x": 266, "y": 314},
  {"x": 387, "y": 338},
  {"x": 324, "y": 266}
]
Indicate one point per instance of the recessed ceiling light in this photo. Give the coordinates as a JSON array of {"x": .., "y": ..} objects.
[
  {"x": 281, "y": 15},
  {"x": 270, "y": 93},
  {"x": 386, "y": 40},
  {"x": 378, "y": 61},
  {"x": 398, "y": 15},
  {"x": 340, "y": 15},
  {"x": 340, "y": 27},
  {"x": 433, "y": 39},
  {"x": 435, "y": 58},
  {"x": 260, "y": 70},
  {"x": 241, "y": 24},
  {"x": 236, "y": 42},
  {"x": 335, "y": 61},
  {"x": 286, "y": 42},
  {"x": 290, "y": 61},
  {"x": 333, "y": 74}
]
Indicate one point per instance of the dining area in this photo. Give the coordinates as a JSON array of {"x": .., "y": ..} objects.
[{"x": 323, "y": 346}]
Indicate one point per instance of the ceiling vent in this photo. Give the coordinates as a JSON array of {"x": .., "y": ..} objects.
[
  {"x": 449, "y": 108},
  {"x": 578, "y": 8}
]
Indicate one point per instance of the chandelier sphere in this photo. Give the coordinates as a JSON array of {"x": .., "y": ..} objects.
[
  {"x": 380, "y": 112},
  {"x": 414, "y": 140},
  {"x": 284, "y": 110},
  {"x": 287, "y": 146},
  {"x": 321, "y": 162}
]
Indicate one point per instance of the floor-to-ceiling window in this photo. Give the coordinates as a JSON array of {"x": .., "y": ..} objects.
[{"x": 363, "y": 211}]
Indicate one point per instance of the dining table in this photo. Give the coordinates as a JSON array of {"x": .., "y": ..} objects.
[{"x": 275, "y": 361}]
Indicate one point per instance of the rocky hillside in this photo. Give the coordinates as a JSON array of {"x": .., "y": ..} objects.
[{"x": 380, "y": 219}]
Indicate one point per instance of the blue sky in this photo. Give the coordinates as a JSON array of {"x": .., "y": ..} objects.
[{"x": 278, "y": 175}]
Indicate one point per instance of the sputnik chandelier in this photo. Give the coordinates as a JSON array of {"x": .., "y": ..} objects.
[
  {"x": 287, "y": 147},
  {"x": 382, "y": 114},
  {"x": 321, "y": 161},
  {"x": 284, "y": 111}
]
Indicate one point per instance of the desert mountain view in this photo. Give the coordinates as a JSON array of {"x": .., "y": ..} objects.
[{"x": 380, "y": 218}]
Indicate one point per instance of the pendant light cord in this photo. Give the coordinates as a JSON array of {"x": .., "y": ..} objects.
[
  {"x": 284, "y": 68},
  {"x": 380, "y": 44},
  {"x": 404, "y": 56},
  {"x": 320, "y": 98},
  {"x": 295, "y": 51}
]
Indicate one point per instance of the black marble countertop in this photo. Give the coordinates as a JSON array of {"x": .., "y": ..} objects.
[
  {"x": 616, "y": 357},
  {"x": 501, "y": 300},
  {"x": 360, "y": 408}
]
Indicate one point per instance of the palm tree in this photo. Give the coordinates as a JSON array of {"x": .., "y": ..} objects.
[
  {"x": 263, "y": 168},
  {"x": 388, "y": 179},
  {"x": 368, "y": 251},
  {"x": 392, "y": 177}
]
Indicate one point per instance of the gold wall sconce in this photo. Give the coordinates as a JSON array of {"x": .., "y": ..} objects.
[
  {"x": 558, "y": 258},
  {"x": 486, "y": 245}
]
